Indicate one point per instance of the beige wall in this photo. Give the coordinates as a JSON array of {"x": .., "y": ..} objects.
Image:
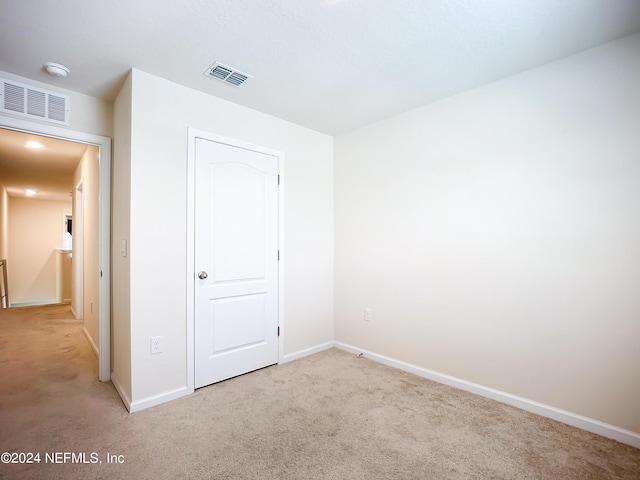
[
  {"x": 4, "y": 222},
  {"x": 88, "y": 173},
  {"x": 495, "y": 235},
  {"x": 158, "y": 211},
  {"x": 4, "y": 240},
  {"x": 35, "y": 231},
  {"x": 120, "y": 221}
]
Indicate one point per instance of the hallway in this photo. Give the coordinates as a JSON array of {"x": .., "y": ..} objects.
[
  {"x": 49, "y": 388},
  {"x": 45, "y": 357}
]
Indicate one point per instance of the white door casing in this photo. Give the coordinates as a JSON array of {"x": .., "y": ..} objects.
[
  {"x": 236, "y": 242},
  {"x": 78, "y": 255}
]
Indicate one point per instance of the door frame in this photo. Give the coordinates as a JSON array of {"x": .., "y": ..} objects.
[
  {"x": 192, "y": 135},
  {"x": 78, "y": 250},
  {"x": 104, "y": 223}
]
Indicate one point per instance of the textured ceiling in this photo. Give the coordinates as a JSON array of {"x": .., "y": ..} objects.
[{"x": 331, "y": 65}]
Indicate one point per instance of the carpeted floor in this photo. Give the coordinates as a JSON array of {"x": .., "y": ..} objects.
[{"x": 327, "y": 416}]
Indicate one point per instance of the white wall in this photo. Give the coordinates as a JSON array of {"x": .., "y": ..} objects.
[
  {"x": 88, "y": 173},
  {"x": 496, "y": 235},
  {"x": 161, "y": 113},
  {"x": 35, "y": 231}
]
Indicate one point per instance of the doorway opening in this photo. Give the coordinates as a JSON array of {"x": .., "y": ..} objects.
[{"x": 100, "y": 336}]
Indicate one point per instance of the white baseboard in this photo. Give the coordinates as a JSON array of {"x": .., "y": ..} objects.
[
  {"x": 148, "y": 402},
  {"x": 158, "y": 399},
  {"x": 32, "y": 304},
  {"x": 306, "y": 352},
  {"x": 123, "y": 396},
  {"x": 94, "y": 347},
  {"x": 585, "y": 423}
]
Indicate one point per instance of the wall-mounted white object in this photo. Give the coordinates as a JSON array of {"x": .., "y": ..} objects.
[{"x": 56, "y": 70}]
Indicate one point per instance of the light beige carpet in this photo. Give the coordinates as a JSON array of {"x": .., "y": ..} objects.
[{"x": 328, "y": 416}]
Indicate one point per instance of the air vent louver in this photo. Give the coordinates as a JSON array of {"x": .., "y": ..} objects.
[
  {"x": 36, "y": 103},
  {"x": 33, "y": 102},
  {"x": 57, "y": 108},
  {"x": 227, "y": 74},
  {"x": 13, "y": 98}
]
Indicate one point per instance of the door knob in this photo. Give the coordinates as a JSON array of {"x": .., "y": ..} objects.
[{"x": 202, "y": 275}]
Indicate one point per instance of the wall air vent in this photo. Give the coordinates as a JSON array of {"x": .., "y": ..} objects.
[
  {"x": 28, "y": 101},
  {"x": 227, "y": 74}
]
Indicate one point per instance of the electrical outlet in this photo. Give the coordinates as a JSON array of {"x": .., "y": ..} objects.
[
  {"x": 156, "y": 345},
  {"x": 367, "y": 314}
]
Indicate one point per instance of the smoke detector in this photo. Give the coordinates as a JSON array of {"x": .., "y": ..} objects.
[
  {"x": 56, "y": 70},
  {"x": 227, "y": 74}
]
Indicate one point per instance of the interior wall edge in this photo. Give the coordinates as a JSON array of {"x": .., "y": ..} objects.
[
  {"x": 94, "y": 347},
  {"x": 158, "y": 399},
  {"x": 121, "y": 392},
  {"x": 290, "y": 357}
]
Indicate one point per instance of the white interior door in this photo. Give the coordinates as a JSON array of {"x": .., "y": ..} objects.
[{"x": 236, "y": 261}]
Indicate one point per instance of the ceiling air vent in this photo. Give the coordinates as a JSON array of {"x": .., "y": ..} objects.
[
  {"x": 227, "y": 74},
  {"x": 28, "y": 101}
]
